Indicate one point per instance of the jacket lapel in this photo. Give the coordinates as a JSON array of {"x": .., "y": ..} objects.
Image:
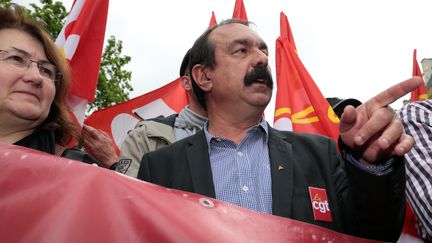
[
  {"x": 199, "y": 165},
  {"x": 281, "y": 162}
]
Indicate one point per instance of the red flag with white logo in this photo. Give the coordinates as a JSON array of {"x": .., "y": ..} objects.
[
  {"x": 81, "y": 40},
  {"x": 240, "y": 11},
  {"x": 420, "y": 93},
  {"x": 300, "y": 106},
  {"x": 117, "y": 120}
]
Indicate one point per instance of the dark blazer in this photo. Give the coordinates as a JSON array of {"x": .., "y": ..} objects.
[{"x": 361, "y": 204}]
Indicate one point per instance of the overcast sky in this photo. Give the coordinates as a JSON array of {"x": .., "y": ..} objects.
[{"x": 350, "y": 48}]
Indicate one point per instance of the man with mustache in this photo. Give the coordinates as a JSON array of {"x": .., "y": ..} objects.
[{"x": 238, "y": 158}]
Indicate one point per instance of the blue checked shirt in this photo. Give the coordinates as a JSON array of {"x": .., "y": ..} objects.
[{"x": 241, "y": 173}]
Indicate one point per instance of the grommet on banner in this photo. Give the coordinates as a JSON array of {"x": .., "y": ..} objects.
[{"x": 206, "y": 202}]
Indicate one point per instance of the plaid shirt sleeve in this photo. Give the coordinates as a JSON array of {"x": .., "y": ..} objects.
[{"x": 417, "y": 121}]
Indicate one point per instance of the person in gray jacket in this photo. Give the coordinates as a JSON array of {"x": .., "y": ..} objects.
[{"x": 150, "y": 135}]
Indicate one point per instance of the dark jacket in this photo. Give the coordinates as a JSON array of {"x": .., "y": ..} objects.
[{"x": 361, "y": 204}]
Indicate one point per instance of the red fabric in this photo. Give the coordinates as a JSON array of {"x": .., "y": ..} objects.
[
  {"x": 420, "y": 93},
  {"x": 118, "y": 119},
  {"x": 240, "y": 11},
  {"x": 299, "y": 102},
  {"x": 44, "y": 198},
  {"x": 285, "y": 31},
  {"x": 410, "y": 222},
  {"x": 87, "y": 21},
  {"x": 212, "y": 20}
]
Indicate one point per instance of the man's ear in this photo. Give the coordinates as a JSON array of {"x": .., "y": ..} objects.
[
  {"x": 186, "y": 83},
  {"x": 199, "y": 74}
]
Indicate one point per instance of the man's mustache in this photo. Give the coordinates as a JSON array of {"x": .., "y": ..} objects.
[{"x": 260, "y": 75}]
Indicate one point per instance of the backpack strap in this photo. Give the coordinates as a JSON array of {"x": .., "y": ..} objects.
[{"x": 169, "y": 120}]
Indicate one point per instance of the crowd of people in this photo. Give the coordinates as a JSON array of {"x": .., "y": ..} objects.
[{"x": 221, "y": 146}]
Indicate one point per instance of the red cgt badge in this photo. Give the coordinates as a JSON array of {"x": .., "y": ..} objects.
[{"x": 320, "y": 204}]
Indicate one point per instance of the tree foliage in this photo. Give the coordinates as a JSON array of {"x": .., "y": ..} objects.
[
  {"x": 53, "y": 14},
  {"x": 112, "y": 88},
  {"x": 5, "y": 2},
  {"x": 114, "y": 81}
]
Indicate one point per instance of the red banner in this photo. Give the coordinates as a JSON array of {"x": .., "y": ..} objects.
[
  {"x": 117, "y": 120},
  {"x": 44, "y": 198}
]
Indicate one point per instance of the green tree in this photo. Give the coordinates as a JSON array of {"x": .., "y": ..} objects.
[
  {"x": 53, "y": 14},
  {"x": 114, "y": 81},
  {"x": 113, "y": 86},
  {"x": 5, "y": 2}
]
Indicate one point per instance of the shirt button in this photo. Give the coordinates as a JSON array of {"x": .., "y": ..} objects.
[
  {"x": 240, "y": 153},
  {"x": 245, "y": 188}
]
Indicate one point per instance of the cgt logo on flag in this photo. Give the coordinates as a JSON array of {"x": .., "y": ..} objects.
[{"x": 320, "y": 204}]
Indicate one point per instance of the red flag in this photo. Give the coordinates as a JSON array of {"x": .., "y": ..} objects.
[
  {"x": 213, "y": 20},
  {"x": 81, "y": 40},
  {"x": 239, "y": 11},
  {"x": 300, "y": 106},
  {"x": 117, "y": 120},
  {"x": 420, "y": 93}
]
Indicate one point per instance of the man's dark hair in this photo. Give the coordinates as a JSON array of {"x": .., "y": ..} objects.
[
  {"x": 203, "y": 52},
  {"x": 185, "y": 64}
]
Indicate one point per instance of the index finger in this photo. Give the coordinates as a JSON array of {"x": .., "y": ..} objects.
[{"x": 393, "y": 93}]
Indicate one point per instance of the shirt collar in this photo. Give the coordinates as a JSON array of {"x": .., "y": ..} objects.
[{"x": 262, "y": 124}]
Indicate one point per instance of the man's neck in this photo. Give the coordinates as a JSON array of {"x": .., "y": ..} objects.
[{"x": 231, "y": 127}]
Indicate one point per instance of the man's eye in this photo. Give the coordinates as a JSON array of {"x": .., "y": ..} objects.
[{"x": 241, "y": 50}]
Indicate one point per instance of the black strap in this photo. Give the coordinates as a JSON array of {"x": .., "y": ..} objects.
[{"x": 169, "y": 120}]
